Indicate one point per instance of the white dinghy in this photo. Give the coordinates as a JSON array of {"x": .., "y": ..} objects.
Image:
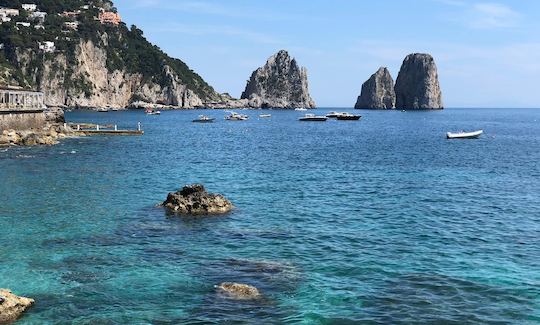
[{"x": 464, "y": 135}]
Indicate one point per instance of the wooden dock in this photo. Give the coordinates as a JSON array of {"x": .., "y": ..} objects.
[
  {"x": 96, "y": 129},
  {"x": 109, "y": 132}
]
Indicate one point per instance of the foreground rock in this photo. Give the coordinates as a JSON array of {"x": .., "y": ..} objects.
[
  {"x": 12, "y": 306},
  {"x": 417, "y": 85},
  {"x": 194, "y": 200},
  {"x": 378, "y": 91},
  {"x": 48, "y": 135},
  {"x": 238, "y": 291},
  {"x": 280, "y": 83}
]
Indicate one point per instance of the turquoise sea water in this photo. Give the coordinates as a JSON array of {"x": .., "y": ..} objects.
[{"x": 381, "y": 221}]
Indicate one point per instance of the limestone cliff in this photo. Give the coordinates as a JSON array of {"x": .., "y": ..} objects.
[
  {"x": 95, "y": 64},
  {"x": 417, "y": 85},
  {"x": 378, "y": 91},
  {"x": 280, "y": 83},
  {"x": 89, "y": 83}
]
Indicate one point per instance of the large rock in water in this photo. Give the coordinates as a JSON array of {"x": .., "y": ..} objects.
[
  {"x": 280, "y": 83},
  {"x": 194, "y": 200},
  {"x": 12, "y": 306},
  {"x": 417, "y": 85},
  {"x": 378, "y": 91}
]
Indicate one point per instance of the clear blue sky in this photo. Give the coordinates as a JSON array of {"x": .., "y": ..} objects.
[{"x": 487, "y": 52}]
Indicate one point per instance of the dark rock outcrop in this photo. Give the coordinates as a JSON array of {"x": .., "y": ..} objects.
[
  {"x": 194, "y": 200},
  {"x": 417, "y": 85},
  {"x": 378, "y": 91},
  {"x": 280, "y": 83},
  {"x": 12, "y": 306},
  {"x": 238, "y": 291}
]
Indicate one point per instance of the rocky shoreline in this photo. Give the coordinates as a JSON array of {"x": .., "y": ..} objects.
[{"x": 47, "y": 136}]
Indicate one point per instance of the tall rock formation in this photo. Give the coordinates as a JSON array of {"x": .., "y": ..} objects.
[
  {"x": 280, "y": 83},
  {"x": 378, "y": 91},
  {"x": 417, "y": 85}
]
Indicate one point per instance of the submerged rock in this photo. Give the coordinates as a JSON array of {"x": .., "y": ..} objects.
[
  {"x": 378, "y": 91},
  {"x": 280, "y": 83},
  {"x": 195, "y": 200},
  {"x": 12, "y": 306},
  {"x": 238, "y": 290},
  {"x": 417, "y": 85}
]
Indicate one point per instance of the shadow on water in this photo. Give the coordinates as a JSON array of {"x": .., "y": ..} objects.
[{"x": 419, "y": 298}]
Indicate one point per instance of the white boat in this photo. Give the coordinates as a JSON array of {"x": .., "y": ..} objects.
[
  {"x": 102, "y": 110},
  {"x": 233, "y": 116},
  {"x": 333, "y": 114},
  {"x": 301, "y": 109},
  {"x": 313, "y": 118},
  {"x": 347, "y": 117},
  {"x": 150, "y": 111},
  {"x": 464, "y": 135},
  {"x": 265, "y": 115}
]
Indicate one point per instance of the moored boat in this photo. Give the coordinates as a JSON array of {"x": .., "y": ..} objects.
[
  {"x": 348, "y": 117},
  {"x": 301, "y": 109},
  {"x": 464, "y": 135},
  {"x": 313, "y": 118},
  {"x": 265, "y": 115},
  {"x": 333, "y": 114},
  {"x": 150, "y": 111},
  {"x": 204, "y": 119},
  {"x": 233, "y": 116},
  {"x": 102, "y": 110}
]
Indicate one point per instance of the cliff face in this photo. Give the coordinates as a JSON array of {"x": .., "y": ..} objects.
[
  {"x": 89, "y": 82},
  {"x": 417, "y": 85},
  {"x": 378, "y": 91},
  {"x": 95, "y": 63},
  {"x": 280, "y": 83}
]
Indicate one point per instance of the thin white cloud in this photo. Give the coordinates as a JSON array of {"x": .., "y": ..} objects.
[
  {"x": 493, "y": 15},
  {"x": 482, "y": 15},
  {"x": 220, "y": 30},
  {"x": 213, "y": 8}
]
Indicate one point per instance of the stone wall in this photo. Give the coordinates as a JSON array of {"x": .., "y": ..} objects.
[{"x": 21, "y": 121}]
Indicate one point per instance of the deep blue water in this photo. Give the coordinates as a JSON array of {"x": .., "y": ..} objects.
[{"x": 381, "y": 221}]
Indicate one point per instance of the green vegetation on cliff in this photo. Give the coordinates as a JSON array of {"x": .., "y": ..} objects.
[{"x": 127, "y": 49}]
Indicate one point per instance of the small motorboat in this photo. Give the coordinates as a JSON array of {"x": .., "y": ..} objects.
[
  {"x": 204, "y": 119},
  {"x": 333, "y": 114},
  {"x": 348, "y": 117},
  {"x": 313, "y": 118},
  {"x": 301, "y": 109},
  {"x": 464, "y": 135},
  {"x": 233, "y": 116},
  {"x": 150, "y": 111},
  {"x": 265, "y": 115},
  {"x": 102, "y": 110}
]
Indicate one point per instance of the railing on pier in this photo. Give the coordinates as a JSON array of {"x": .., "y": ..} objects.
[{"x": 12, "y": 101}]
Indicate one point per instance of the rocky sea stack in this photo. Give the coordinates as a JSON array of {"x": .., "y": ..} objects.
[
  {"x": 195, "y": 200},
  {"x": 280, "y": 83},
  {"x": 417, "y": 85},
  {"x": 378, "y": 91},
  {"x": 12, "y": 306}
]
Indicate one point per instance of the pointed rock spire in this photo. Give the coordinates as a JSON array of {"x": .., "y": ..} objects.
[
  {"x": 280, "y": 83},
  {"x": 378, "y": 91}
]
